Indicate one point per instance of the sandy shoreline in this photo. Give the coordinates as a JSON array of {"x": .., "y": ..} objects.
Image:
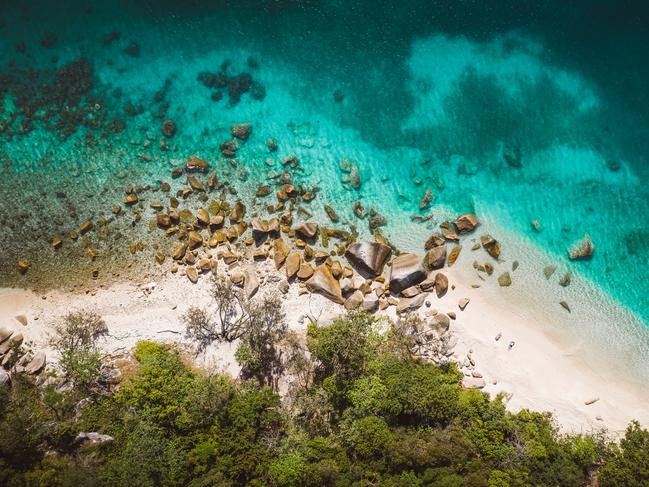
[{"x": 544, "y": 371}]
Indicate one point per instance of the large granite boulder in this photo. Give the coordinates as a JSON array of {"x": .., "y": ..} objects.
[
  {"x": 368, "y": 257},
  {"x": 324, "y": 283},
  {"x": 407, "y": 270}
]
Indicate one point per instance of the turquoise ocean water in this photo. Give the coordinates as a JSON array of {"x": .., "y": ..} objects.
[{"x": 417, "y": 94}]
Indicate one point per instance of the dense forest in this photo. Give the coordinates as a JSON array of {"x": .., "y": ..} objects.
[{"x": 357, "y": 408}]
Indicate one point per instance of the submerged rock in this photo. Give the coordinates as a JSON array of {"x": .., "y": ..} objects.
[
  {"x": 505, "y": 279},
  {"x": 583, "y": 249},
  {"x": 549, "y": 270},
  {"x": 369, "y": 257},
  {"x": 426, "y": 199},
  {"x": 196, "y": 164},
  {"x": 241, "y": 130},
  {"x": 512, "y": 156},
  {"x": 333, "y": 216}
]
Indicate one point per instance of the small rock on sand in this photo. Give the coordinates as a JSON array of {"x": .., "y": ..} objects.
[
  {"x": 22, "y": 319},
  {"x": 463, "y": 303},
  {"x": 590, "y": 401}
]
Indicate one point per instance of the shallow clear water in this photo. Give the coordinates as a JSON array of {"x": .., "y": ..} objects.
[{"x": 419, "y": 95}]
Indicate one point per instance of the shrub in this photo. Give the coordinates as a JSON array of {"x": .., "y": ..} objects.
[{"x": 78, "y": 330}]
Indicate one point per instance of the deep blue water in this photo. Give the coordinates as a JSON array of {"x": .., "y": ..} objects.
[{"x": 417, "y": 94}]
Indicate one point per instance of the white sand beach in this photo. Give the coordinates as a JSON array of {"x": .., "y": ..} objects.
[{"x": 545, "y": 370}]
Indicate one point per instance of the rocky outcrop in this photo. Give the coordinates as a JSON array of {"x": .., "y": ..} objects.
[
  {"x": 368, "y": 257},
  {"x": 583, "y": 249},
  {"x": 91, "y": 437},
  {"x": 407, "y": 270},
  {"x": 323, "y": 282}
]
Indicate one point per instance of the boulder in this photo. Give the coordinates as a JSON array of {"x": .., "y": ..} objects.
[
  {"x": 369, "y": 257},
  {"x": 196, "y": 164},
  {"x": 307, "y": 230},
  {"x": 435, "y": 240},
  {"x": 4, "y": 376},
  {"x": 370, "y": 304},
  {"x": 410, "y": 292},
  {"x": 435, "y": 258},
  {"x": 251, "y": 282},
  {"x": 192, "y": 274},
  {"x": 323, "y": 282},
  {"x": 466, "y": 223},
  {"x": 305, "y": 272},
  {"x": 4, "y": 333},
  {"x": 582, "y": 249},
  {"x": 454, "y": 254},
  {"x": 410, "y": 304},
  {"x": 354, "y": 300},
  {"x": 441, "y": 284},
  {"x": 491, "y": 245},
  {"x": 293, "y": 261},
  {"x": 194, "y": 239},
  {"x": 238, "y": 212},
  {"x": 15, "y": 340},
  {"x": 36, "y": 364},
  {"x": 261, "y": 228},
  {"x": 463, "y": 303},
  {"x": 407, "y": 271},
  {"x": 280, "y": 252}
]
